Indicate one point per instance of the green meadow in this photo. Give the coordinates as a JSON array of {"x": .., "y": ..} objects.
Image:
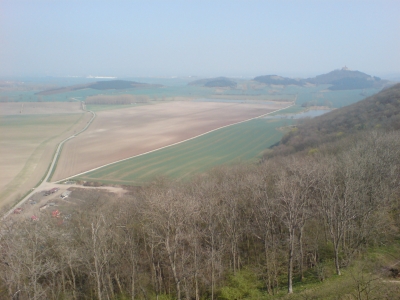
[{"x": 241, "y": 142}]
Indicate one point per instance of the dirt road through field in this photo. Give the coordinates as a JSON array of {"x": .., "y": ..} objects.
[{"x": 44, "y": 184}]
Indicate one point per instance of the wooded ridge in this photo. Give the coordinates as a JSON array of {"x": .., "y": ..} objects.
[{"x": 343, "y": 79}]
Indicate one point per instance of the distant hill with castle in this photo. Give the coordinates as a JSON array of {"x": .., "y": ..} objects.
[{"x": 341, "y": 79}]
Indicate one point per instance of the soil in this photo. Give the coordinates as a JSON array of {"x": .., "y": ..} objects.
[
  {"x": 78, "y": 194},
  {"x": 120, "y": 134}
]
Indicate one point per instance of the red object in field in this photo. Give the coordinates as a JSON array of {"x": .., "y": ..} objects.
[
  {"x": 34, "y": 218},
  {"x": 18, "y": 210},
  {"x": 55, "y": 213}
]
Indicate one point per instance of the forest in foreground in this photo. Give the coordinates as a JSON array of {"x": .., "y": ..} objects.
[{"x": 323, "y": 205}]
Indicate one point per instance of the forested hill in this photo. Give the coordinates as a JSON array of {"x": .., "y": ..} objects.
[
  {"x": 100, "y": 85},
  {"x": 337, "y": 75},
  {"x": 278, "y": 80},
  {"x": 380, "y": 111},
  {"x": 343, "y": 79},
  {"x": 215, "y": 82}
]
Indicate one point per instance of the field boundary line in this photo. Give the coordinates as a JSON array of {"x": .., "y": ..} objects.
[{"x": 170, "y": 145}]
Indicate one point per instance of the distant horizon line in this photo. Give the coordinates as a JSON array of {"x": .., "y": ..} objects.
[{"x": 286, "y": 74}]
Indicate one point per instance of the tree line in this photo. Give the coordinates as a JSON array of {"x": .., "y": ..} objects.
[{"x": 116, "y": 99}]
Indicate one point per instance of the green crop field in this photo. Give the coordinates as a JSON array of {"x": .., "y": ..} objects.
[
  {"x": 291, "y": 110},
  {"x": 241, "y": 142}
]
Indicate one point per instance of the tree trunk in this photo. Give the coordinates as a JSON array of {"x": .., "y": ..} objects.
[
  {"x": 196, "y": 282},
  {"x": 96, "y": 260},
  {"x": 171, "y": 257},
  {"x": 133, "y": 282},
  {"x": 290, "y": 264},
  {"x": 268, "y": 283},
  {"x": 337, "y": 267},
  {"x": 212, "y": 267},
  {"x": 301, "y": 254}
]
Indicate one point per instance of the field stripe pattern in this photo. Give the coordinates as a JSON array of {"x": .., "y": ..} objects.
[
  {"x": 121, "y": 134},
  {"x": 241, "y": 142}
]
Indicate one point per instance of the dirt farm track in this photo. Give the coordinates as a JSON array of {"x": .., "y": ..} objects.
[
  {"x": 29, "y": 135},
  {"x": 118, "y": 134}
]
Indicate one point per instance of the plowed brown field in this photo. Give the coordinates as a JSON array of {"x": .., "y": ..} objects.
[{"x": 120, "y": 134}]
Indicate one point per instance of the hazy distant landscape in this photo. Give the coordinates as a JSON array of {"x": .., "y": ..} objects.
[
  {"x": 219, "y": 150},
  {"x": 262, "y": 94},
  {"x": 124, "y": 135}
]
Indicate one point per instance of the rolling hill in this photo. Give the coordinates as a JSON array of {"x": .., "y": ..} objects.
[
  {"x": 343, "y": 79},
  {"x": 278, "y": 80},
  {"x": 215, "y": 82}
]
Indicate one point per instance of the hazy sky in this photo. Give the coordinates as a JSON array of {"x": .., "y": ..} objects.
[{"x": 204, "y": 38}]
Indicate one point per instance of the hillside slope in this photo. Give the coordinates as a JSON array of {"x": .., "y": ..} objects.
[
  {"x": 381, "y": 111},
  {"x": 343, "y": 79}
]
